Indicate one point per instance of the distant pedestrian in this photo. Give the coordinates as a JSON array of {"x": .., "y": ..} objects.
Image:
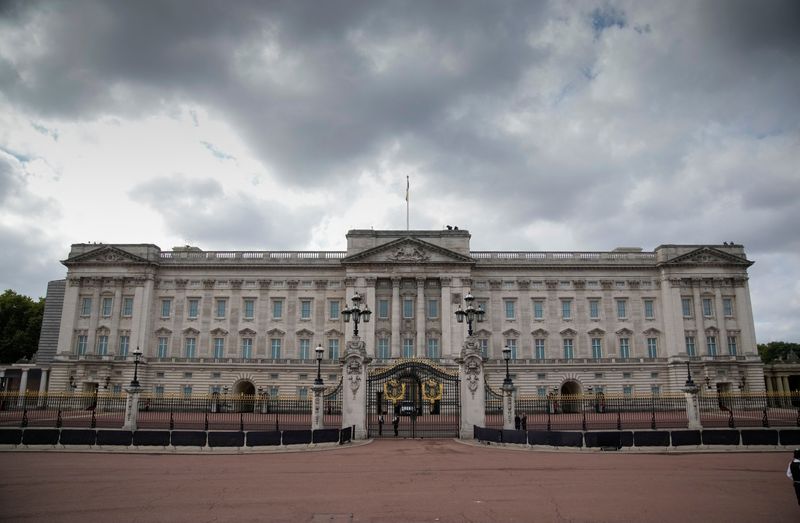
[
  {"x": 517, "y": 421},
  {"x": 793, "y": 473},
  {"x": 524, "y": 421},
  {"x": 396, "y": 424},
  {"x": 380, "y": 424}
]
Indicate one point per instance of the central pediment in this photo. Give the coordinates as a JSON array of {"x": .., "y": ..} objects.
[
  {"x": 408, "y": 250},
  {"x": 106, "y": 255}
]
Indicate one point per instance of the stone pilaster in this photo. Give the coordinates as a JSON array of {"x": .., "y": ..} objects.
[
  {"x": 446, "y": 318},
  {"x": 508, "y": 406},
  {"x": 692, "y": 406},
  {"x": 472, "y": 387},
  {"x": 396, "y": 317},
  {"x": 23, "y": 387},
  {"x": 354, "y": 387},
  {"x": 420, "y": 319},
  {"x": 131, "y": 407},
  {"x": 317, "y": 410}
]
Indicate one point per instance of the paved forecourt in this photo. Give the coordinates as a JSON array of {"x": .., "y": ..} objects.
[{"x": 398, "y": 480}]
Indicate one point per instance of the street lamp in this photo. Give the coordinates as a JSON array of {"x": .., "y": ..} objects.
[
  {"x": 471, "y": 313},
  {"x": 357, "y": 313},
  {"x": 320, "y": 351},
  {"x": 507, "y": 356},
  {"x": 689, "y": 381},
  {"x": 137, "y": 354}
]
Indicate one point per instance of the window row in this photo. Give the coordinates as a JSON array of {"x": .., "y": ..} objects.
[
  {"x": 566, "y": 349},
  {"x": 383, "y": 348},
  {"x": 566, "y": 308},
  {"x": 707, "y": 306},
  {"x": 711, "y": 346}
]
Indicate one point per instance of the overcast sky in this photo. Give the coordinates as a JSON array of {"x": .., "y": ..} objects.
[{"x": 281, "y": 125}]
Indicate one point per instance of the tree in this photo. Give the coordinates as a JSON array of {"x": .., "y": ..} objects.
[
  {"x": 777, "y": 350},
  {"x": 20, "y": 325}
]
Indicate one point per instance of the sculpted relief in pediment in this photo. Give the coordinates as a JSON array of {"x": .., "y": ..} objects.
[{"x": 408, "y": 253}]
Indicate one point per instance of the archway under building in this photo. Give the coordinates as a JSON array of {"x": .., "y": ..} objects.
[
  {"x": 570, "y": 402},
  {"x": 244, "y": 395}
]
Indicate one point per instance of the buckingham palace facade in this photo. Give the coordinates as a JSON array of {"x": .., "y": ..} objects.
[{"x": 623, "y": 321}]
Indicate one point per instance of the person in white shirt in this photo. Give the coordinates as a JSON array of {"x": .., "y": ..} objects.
[{"x": 793, "y": 473}]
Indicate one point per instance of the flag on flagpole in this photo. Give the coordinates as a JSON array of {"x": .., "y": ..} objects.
[{"x": 408, "y": 185}]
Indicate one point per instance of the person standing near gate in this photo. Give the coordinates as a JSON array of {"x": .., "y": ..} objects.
[
  {"x": 793, "y": 473},
  {"x": 380, "y": 424},
  {"x": 396, "y": 424},
  {"x": 524, "y": 421},
  {"x": 517, "y": 421}
]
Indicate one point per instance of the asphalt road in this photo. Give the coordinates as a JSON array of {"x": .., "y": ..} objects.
[{"x": 404, "y": 480}]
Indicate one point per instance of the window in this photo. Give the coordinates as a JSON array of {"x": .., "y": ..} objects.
[
  {"x": 622, "y": 309},
  {"x": 102, "y": 345},
  {"x": 216, "y": 375},
  {"x": 655, "y": 390},
  {"x": 249, "y": 308},
  {"x": 187, "y": 390},
  {"x": 408, "y": 308},
  {"x": 727, "y": 307},
  {"x": 158, "y": 390},
  {"x": 510, "y": 308},
  {"x": 302, "y": 393},
  {"x": 711, "y": 345},
  {"x": 594, "y": 309},
  {"x": 86, "y": 306},
  {"x": 652, "y": 347},
  {"x": 116, "y": 388},
  {"x": 383, "y": 309},
  {"x": 433, "y": 308},
  {"x": 568, "y": 349},
  {"x": 124, "y": 343},
  {"x": 127, "y": 306},
  {"x": 690, "y": 350},
  {"x": 305, "y": 348},
  {"x": 732, "y": 345},
  {"x": 219, "y": 348},
  {"x": 597, "y": 348},
  {"x": 511, "y": 343},
  {"x": 274, "y": 391},
  {"x": 538, "y": 348},
  {"x": 708, "y": 307},
  {"x": 541, "y": 376},
  {"x": 626, "y": 375},
  {"x": 627, "y": 390},
  {"x": 654, "y": 375},
  {"x": 305, "y": 309},
  {"x": 538, "y": 309},
  {"x": 106, "y": 307},
  {"x": 408, "y": 347},
  {"x": 190, "y": 346},
  {"x": 333, "y": 349},
  {"x": 247, "y": 349},
  {"x": 162, "y": 347},
  {"x": 649, "y": 310},
  {"x": 541, "y": 391},
  {"x": 277, "y": 309},
  {"x": 219, "y": 309},
  {"x": 187, "y": 375},
  {"x": 433, "y": 348},
  {"x": 384, "y": 351},
  {"x": 624, "y": 348},
  {"x": 166, "y": 307},
  {"x": 275, "y": 348},
  {"x": 686, "y": 305},
  {"x": 484, "y": 344},
  {"x": 566, "y": 309},
  {"x": 214, "y": 389},
  {"x": 193, "y": 308},
  {"x": 333, "y": 309},
  {"x": 80, "y": 344},
  {"x": 598, "y": 375}
]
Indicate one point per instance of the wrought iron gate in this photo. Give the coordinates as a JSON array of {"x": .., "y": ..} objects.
[{"x": 418, "y": 397}]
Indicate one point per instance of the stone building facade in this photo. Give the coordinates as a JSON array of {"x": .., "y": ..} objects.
[{"x": 244, "y": 321}]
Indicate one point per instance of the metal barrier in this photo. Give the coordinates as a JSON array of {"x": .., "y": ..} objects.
[{"x": 62, "y": 409}]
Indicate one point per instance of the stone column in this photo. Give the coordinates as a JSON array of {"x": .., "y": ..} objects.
[
  {"x": 23, "y": 387},
  {"x": 317, "y": 410},
  {"x": 472, "y": 387},
  {"x": 131, "y": 407},
  {"x": 446, "y": 314},
  {"x": 508, "y": 405},
  {"x": 420, "y": 319},
  {"x": 42, "y": 387},
  {"x": 396, "y": 317},
  {"x": 369, "y": 328},
  {"x": 354, "y": 387}
]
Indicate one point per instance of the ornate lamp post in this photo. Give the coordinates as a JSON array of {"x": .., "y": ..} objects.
[
  {"x": 137, "y": 354},
  {"x": 470, "y": 313},
  {"x": 357, "y": 313},
  {"x": 320, "y": 351},
  {"x": 689, "y": 381},
  {"x": 507, "y": 356}
]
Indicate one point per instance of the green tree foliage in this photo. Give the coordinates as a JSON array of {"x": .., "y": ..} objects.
[
  {"x": 20, "y": 325},
  {"x": 777, "y": 350}
]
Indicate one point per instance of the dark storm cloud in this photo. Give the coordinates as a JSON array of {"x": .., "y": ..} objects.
[{"x": 202, "y": 213}]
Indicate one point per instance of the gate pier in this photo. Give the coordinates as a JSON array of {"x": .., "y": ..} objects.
[
  {"x": 354, "y": 394},
  {"x": 473, "y": 380}
]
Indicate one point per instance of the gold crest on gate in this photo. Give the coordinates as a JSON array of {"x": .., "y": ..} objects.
[
  {"x": 394, "y": 390},
  {"x": 432, "y": 390}
]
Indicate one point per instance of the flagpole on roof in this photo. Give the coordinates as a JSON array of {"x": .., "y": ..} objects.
[{"x": 408, "y": 186}]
